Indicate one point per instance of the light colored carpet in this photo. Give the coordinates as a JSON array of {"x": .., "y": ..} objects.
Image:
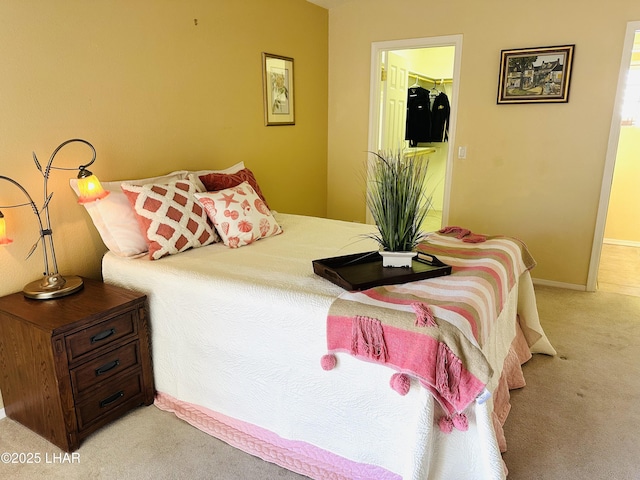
[
  {"x": 579, "y": 415},
  {"x": 577, "y": 418}
]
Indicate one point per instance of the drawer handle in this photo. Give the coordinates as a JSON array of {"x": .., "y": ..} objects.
[
  {"x": 106, "y": 367},
  {"x": 111, "y": 399},
  {"x": 102, "y": 335}
]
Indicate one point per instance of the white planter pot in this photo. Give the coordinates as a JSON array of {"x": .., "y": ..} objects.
[{"x": 397, "y": 259}]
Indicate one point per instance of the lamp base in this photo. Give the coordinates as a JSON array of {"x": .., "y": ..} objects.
[{"x": 53, "y": 286}]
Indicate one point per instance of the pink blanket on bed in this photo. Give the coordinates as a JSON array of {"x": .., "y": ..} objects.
[{"x": 433, "y": 330}]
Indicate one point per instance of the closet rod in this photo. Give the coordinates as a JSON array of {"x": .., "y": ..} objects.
[{"x": 417, "y": 76}]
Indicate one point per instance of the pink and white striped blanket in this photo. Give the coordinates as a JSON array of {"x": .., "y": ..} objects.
[{"x": 433, "y": 330}]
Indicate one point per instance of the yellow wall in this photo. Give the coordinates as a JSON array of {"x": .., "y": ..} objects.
[
  {"x": 532, "y": 171},
  {"x": 153, "y": 92},
  {"x": 623, "y": 221}
]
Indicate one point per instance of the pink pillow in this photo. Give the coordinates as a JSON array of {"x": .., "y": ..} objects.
[
  {"x": 240, "y": 216},
  {"x": 215, "y": 181},
  {"x": 194, "y": 176},
  {"x": 170, "y": 217}
]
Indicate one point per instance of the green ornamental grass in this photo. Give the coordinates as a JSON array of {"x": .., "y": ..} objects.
[{"x": 397, "y": 200}]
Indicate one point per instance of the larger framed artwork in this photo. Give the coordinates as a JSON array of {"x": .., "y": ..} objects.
[
  {"x": 535, "y": 75},
  {"x": 277, "y": 79}
]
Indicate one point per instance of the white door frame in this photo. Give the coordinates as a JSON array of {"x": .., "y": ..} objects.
[
  {"x": 612, "y": 151},
  {"x": 374, "y": 97}
]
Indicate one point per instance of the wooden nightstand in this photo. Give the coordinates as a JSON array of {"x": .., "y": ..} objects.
[{"x": 71, "y": 365}]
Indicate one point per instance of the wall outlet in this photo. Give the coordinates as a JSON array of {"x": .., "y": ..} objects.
[{"x": 462, "y": 152}]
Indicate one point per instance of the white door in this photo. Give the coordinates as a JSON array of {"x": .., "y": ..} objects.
[{"x": 394, "y": 103}]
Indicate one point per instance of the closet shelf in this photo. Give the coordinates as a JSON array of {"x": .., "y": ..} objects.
[{"x": 419, "y": 151}]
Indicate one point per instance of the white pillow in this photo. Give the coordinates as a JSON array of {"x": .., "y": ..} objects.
[
  {"x": 240, "y": 216},
  {"x": 232, "y": 169},
  {"x": 115, "y": 219}
]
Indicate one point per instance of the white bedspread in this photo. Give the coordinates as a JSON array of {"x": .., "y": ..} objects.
[{"x": 241, "y": 332}]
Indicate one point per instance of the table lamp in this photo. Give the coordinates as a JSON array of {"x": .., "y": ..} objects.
[{"x": 53, "y": 285}]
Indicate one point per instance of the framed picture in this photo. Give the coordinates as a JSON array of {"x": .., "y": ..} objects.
[
  {"x": 535, "y": 75},
  {"x": 277, "y": 79}
]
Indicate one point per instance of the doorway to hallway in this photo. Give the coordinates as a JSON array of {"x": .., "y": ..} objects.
[{"x": 614, "y": 258}]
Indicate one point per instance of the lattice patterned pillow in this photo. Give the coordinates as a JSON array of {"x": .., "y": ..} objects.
[
  {"x": 170, "y": 217},
  {"x": 240, "y": 216}
]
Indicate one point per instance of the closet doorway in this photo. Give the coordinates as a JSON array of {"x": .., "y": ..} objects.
[
  {"x": 615, "y": 256},
  {"x": 433, "y": 65}
]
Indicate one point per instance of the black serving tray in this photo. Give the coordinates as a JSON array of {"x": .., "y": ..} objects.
[{"x": 360, "y": 271}]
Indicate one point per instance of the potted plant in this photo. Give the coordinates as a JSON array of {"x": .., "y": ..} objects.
[{"x": 398, "y": 203}]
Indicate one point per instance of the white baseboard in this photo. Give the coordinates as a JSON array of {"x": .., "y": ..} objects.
[
  {"x": 624, "y": 243},
  {"x": 2, "y": 414},
  {"x": 551, "y": 283}
]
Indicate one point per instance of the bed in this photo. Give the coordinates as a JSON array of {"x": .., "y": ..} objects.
[
  {"x": 238, "y": 341},
  {"x": 252, "y": 347}
]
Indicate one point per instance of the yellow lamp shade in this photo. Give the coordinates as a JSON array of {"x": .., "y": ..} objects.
[
  {"x": 89, "y": 187},
  {"x": 4, "y": 240}
]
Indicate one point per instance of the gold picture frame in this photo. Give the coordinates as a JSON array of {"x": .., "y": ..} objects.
[
  {"x": 277, "y": 80},
  {"x": 535, "y": 75}
]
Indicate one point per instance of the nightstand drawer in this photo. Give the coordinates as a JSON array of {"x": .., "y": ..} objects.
[
  {"x": 104, "y": 367},
  {"x": 115, "y": 394},
  {"x": 100, "y": 335}
]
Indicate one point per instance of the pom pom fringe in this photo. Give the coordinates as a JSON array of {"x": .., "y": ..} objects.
[
  {"x": 460, "y": 421},
  {"x": 446, "y": 424},
  {"x": 328, "y": 361},
  {"x": 457, "y": 420},
  {"x": 401, "y": 383}
]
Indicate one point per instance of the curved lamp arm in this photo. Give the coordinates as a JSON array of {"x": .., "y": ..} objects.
[
  {"x": 55, "y": 152},
  {"x": 37, "y": 213}
]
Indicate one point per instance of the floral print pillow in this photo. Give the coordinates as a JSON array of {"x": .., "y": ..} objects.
[{"x": 239, "y": 215}]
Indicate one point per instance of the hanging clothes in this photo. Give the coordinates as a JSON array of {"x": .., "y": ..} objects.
[
  {"x": 440, "y": 118},
  {"x": 418, "y": 124}
]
